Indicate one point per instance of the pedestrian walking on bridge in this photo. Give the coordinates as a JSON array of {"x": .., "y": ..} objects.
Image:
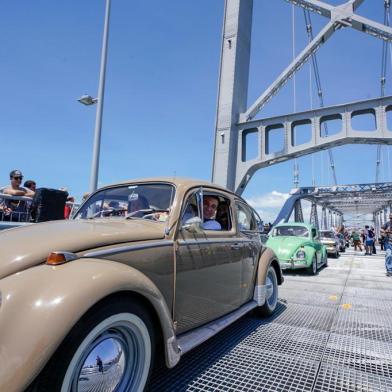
[
  {"x": 356, "y": 240},
  {"x": 386, "y": 231}
]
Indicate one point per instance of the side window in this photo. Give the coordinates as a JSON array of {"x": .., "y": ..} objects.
[
  {"x": 212, "y": 208},
  {"x": 191, "y": 209},
  {"x": 314, "y": 233},
  {"x": 245, "y": 217},
  {"x": 216, "y": 212},
  {"x": 259, "y": 222}
]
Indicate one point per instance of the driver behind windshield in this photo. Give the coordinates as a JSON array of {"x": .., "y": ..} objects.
[
  {"x": 136, "y": 205},
  {"x": 139, "y": 207}
]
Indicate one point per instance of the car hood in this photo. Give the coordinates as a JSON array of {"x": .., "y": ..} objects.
[
  {"x": 284, "y": 247},
  {"x": 24, "y": 247}
]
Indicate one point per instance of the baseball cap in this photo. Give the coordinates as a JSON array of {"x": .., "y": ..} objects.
[{"x": 16, "y": 173}]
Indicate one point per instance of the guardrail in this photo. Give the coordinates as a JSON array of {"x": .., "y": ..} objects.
[
  {"x": 16, "y": 211},
  {"x": 15, "y": 208}
]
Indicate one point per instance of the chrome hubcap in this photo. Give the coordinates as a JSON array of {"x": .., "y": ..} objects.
[
  {"x": 112, "y": 362},
  {"x": 104, "y": 366},
  {"x": 270, "y": 286}
]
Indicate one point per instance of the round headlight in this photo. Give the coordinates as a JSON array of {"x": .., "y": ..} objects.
[{"x": 300, "y": 254}]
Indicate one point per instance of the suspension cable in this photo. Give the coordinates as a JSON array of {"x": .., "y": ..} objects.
[
  {"x": 384, "y": 56},
  {"x": 296, "y": 166},
  {"x": 309, "y": 30}
]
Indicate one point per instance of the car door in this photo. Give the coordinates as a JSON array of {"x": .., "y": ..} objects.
[
  {"x": 208, "y": 265},
  {"x": 317, "y": 245},
  {"x": 249, "y": 235}
]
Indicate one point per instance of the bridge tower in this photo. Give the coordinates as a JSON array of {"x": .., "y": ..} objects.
[{"x": 233, "y": 88}]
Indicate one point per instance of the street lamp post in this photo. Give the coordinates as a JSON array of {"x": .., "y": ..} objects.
[{"x": 88, "y": 100}]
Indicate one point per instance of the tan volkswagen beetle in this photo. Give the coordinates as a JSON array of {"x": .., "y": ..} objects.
[{"x": 144, "y": 264}]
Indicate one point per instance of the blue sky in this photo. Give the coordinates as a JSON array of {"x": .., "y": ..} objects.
[{"x": 161, "y": 89}]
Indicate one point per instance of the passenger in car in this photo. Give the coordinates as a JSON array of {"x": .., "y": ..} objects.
[
  {"x": 222, "y": 215},
  {"x": 210, "y": 207}
]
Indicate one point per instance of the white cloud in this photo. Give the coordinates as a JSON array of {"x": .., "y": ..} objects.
[
  {"x": 268, "y": 204},
  {"x": 272, "y": 199}
]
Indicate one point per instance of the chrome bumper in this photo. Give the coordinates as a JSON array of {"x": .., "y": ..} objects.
[{"x": 293, "y": 264}]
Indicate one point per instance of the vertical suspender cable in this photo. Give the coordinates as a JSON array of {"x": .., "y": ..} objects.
[
  {"x": 311, "y": 107},
  {"x": 384, "y": 56},
  {"x": 390, "y": 55},
  {"x": 309, "y": 30},
  {"x": 296, "y": 167}
]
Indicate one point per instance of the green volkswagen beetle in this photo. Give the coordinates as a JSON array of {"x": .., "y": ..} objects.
[{"x": 297, "y": 245}]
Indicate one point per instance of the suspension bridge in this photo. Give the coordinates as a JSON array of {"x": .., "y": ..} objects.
[
  {"x": 332, "y": 331},
  {"x": 237, "y": 127}
]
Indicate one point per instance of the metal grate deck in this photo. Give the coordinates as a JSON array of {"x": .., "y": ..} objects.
[
  {"x": 327, "y": 335},
  {"x": 332, "y": 379}
]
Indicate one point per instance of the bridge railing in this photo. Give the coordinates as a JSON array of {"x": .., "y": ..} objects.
[{"x": 16, "y": 210}]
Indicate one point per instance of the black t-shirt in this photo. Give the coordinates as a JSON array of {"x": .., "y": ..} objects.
[{"x": 387, "y": 226}]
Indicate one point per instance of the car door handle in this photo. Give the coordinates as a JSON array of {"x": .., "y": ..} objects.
[{"x": 236, "y": 246}]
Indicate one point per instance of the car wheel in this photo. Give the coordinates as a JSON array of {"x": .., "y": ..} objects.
[
  {"x": 326, "y": 260},
  {"x": 271, "y": 297},
  {"x": 313, "y": 267},
  {"x": 110, "y": 349}
]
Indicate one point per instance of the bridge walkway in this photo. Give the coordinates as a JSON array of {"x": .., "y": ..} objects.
[{"x": 332, "y": 332}]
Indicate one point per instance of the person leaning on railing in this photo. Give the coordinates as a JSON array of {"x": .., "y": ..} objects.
[{"x": 14, "y": 209}]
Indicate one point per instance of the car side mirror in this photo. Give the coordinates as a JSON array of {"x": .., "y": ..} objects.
[{"x": 193, "y": 225}]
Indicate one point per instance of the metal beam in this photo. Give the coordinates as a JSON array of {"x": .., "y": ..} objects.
[
  {"x": 314, "y": 216},
  {"x": 340, "y": 16},
  {"x": 314, "y": 118},
  {"x": 282, "y": 79},
  {"x": 316, "y": 6},
  {"x": 298, "y": 215},
  {"x": 345, "y": 15}
]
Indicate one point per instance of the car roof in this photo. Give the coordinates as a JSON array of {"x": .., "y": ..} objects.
[
  {"x": 300, "y": 224},
  {"x": 182, "y": 182}
]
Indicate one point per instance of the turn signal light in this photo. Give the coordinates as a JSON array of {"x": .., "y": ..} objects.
[{"x": 56, "y": 258}]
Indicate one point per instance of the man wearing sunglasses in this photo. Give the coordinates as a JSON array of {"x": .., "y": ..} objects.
[{"x": 14, "y": 209}]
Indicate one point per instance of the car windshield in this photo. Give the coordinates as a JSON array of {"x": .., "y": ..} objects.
[
  {"x": 292, "y": 231},
  {"x": 134, "y": 201},
  {"x": 327, "y": 234}
]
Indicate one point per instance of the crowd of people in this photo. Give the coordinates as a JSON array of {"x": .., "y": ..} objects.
[
  {"x": 366, "y": 239},
  {"x": 17, "y": 206}
]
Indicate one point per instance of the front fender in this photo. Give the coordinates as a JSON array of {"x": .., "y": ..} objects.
[
  {"x": 310, "y": 252},
  {"x": 267, "y": 259},
  {"x": 40, "y": 306}
]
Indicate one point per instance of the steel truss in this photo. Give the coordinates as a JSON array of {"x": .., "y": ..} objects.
[
  {"x": 341, "y": 200},
  {"x": 234, "y": 117}
]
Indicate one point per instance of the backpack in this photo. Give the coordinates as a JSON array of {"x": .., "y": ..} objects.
[{"x": 48, "y": 204}]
